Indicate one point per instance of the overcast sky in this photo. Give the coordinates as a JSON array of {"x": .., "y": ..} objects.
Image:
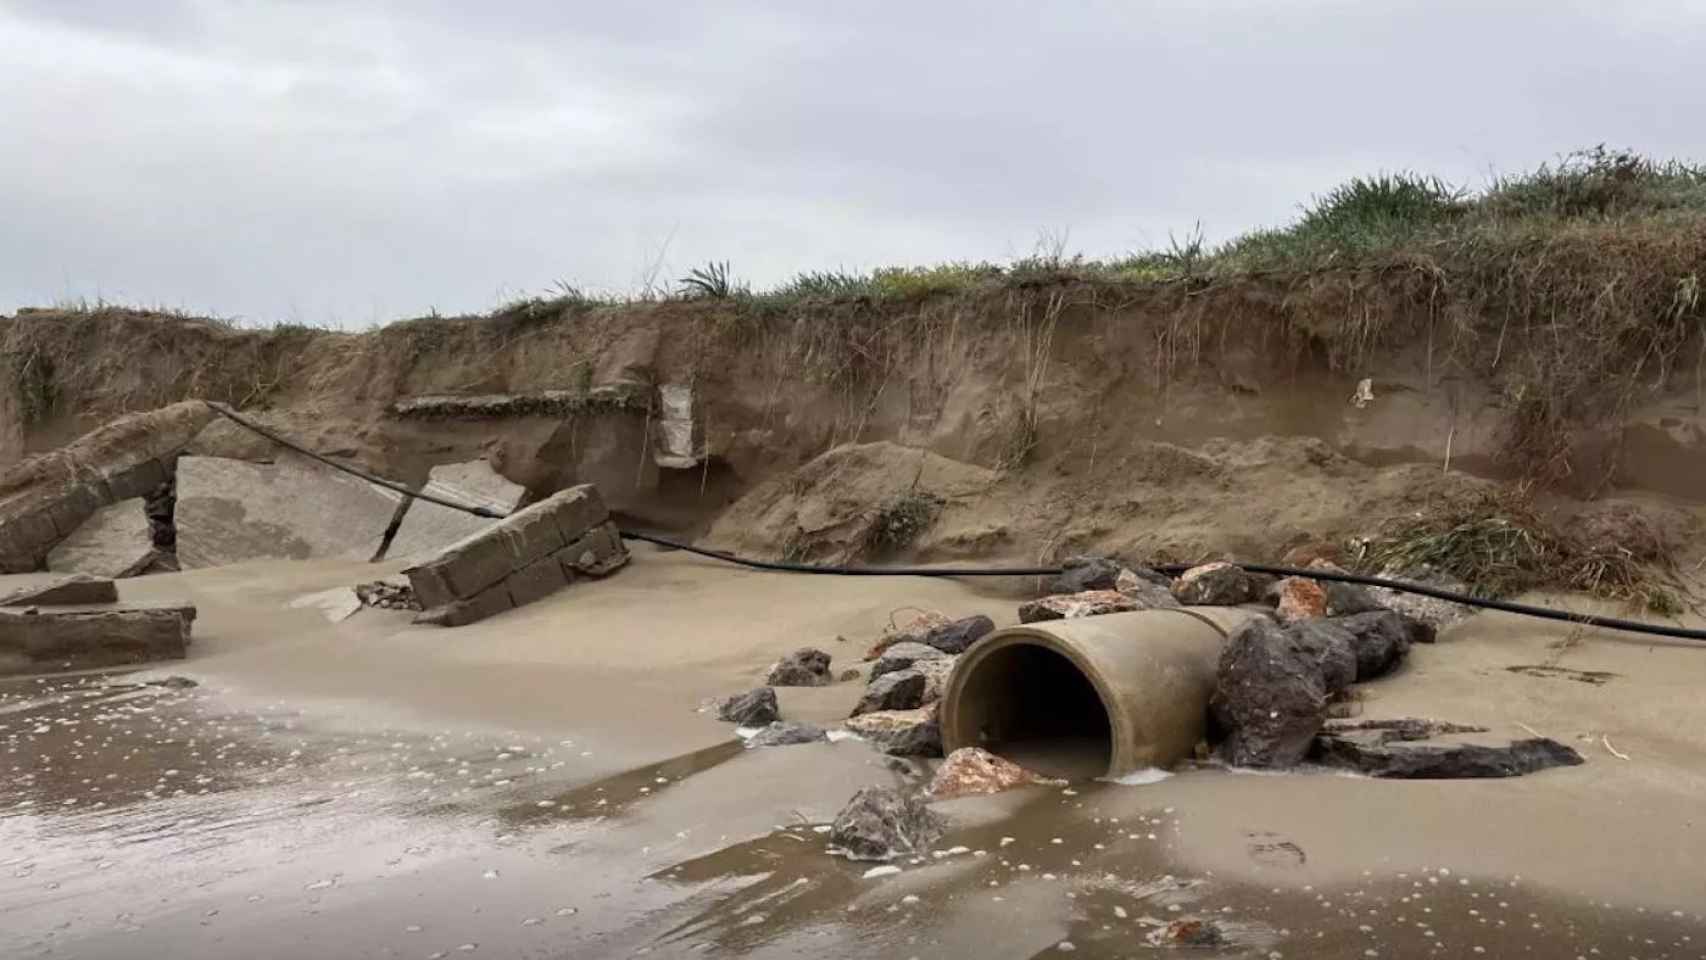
[{"x": 349, "y": 162}]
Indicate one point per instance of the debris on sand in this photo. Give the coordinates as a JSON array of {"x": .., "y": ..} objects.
[
  {"x": 881, "y": 823},
  {"x": 1271, "y": 699},
  {"x": 1215, "y": 584},
  {"x": 1188, "y": 932},
  {"x": 784, "y": 733},
  {"x": 388, "y": 594},
  {"x": 901, "y": 733},
  {"x": 1070, "y": 606},
  {"x": 974, "y": 771},
  {"x": 1405, "y": 759},
  {"x": 900, "y": 690},
  {"x": 755, "y": 708},
  {"x": 805, "y": 667}
]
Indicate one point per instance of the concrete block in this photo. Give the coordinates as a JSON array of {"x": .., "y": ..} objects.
[
  {"x": 46, "y": 638},
  {"x": 75, "y": 589},
  {"x": 76, "y": 503},
  {"x": 464, "y": 569},
  {"x": 136, "y": 480},
  {"x": 428, "y": 527},
  {"x": 597, "y": 552},
  {"x": 487, "y": 603},
  {"x": 230, "y": 511},
  {"x": 536, "y": 581},
  {"x": 532, "y": 534},
  {"x": 577, "y": 510},
  {"x": 116, "y": 541}
]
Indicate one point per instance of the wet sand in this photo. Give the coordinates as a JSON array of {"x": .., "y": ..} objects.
[{"x": 544, "y": 785}]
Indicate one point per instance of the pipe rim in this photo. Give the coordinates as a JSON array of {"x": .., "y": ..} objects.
[{"x": 1025, "y": 635}]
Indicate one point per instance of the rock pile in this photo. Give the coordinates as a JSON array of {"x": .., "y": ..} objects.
[{"x": 387, "y": 595}]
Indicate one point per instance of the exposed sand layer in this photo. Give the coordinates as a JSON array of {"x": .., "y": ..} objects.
[{"x": 543, "y": 784}]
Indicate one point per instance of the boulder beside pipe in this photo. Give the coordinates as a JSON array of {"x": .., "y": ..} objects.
[{"x": 1060, "y": 696}]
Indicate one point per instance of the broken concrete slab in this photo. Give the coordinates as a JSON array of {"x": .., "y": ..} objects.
[
  {"x": 428, "y": 527},
  {"x": 230, "y": 511},
  {"x": 47, "y": 497},
  {"x": 570, "y": 529},
  {"x": 64, "y": 638},
  {"x": 71, "y": 590},
  {"x": 675, "y": 447},
  {"x": 116, "y": 541}
]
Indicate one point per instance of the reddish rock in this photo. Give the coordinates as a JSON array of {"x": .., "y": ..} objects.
[
  {"x": 973, "y": 771},
  {"x": 1215, "y": 584},
  {"x": 1301, "y": 599},
  {"x": 1070, "y": 606}
]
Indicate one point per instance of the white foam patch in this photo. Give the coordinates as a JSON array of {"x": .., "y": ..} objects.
[
  {"x": 887, "y": 871},
  {"x": 1139, "y": 778},
  {"x": 747, "y": 733},
  {"x": 838, "y": 735}
]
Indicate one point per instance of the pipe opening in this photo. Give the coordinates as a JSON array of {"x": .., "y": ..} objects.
[{"x": 1036, "y": 708}]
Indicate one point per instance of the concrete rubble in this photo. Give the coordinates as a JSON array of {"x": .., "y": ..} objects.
[
  {"x": 1091, "y": 603},
  {"x": 428, "y": 527},
  {"x": 520, "y": 559},
  {"x": 116, "y": 541},
  {"x": 75, "y": 622},
  {"x": 231, "y": 511},
  {"x": 881, "y": 823},
  {"x": 46, "y": 498},
  {"x": 392, "y": 593},
  {"x": 973, "y": 771}
]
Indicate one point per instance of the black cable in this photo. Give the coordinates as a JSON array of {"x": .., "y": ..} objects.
[{"x": 1506, "y": 606}]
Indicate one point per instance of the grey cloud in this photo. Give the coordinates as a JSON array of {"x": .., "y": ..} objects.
[{"x": 345, "y": 161}]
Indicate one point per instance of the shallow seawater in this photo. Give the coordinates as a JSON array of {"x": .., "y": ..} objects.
[{"x": 148, "y": 820}]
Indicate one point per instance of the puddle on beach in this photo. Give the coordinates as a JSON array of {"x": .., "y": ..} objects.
[{"x": 158, "y": 820}]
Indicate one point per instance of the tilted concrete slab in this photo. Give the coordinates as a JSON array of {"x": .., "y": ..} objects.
[
  {"x": 35, "y": 639},
  {"x": 66, "y": 590},
  {"x": 428, "y": 528},
  {"x": 116, "y": 542},
  {"x": 230, "y": 511},
  {"x": 520, "y": 559}
]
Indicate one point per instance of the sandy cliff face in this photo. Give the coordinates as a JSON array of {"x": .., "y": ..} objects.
[{"x": 1021, "y": 423}]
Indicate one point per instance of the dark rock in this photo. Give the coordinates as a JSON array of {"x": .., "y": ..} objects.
[
  {"x": 901, "y": 733},
  {"x": 902, "y": 656},
  {"x": 174, "y": 683},
  {"x": 900, "y": 690},
  {"x": 957, "y": 637},
  {"x": 1409, "y": 761},
  {"x": 1332, "y": 646},
  {"x": 1215, "y": 584},
  {"x": 755, "y": 708},
  {"x": 850, "y": 674},
  {"x": 1381, "y": 640},
  {"x": 1271, "y": 698},
  {"x": 1078, "y": 574},
  {"x": 1346, "y": 599},
  {"x": 880, "y": 823},
  {"x": 782, "y": 733},
  {"x": 1405, "y": 728},
  {"x": 805, "y": 667}
]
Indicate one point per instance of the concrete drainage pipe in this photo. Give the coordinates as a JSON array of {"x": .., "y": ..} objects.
[{"x": 1098, "y": 696}]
